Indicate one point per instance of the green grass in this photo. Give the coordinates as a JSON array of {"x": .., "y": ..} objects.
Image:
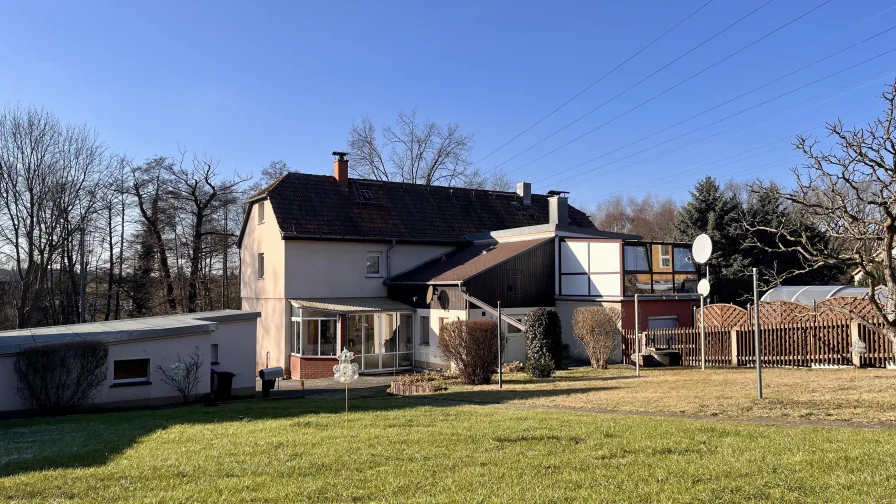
[{"x": 396, "y": 450}]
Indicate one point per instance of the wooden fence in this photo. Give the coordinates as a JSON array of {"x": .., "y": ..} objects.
[{"x": 783, "y": 345}]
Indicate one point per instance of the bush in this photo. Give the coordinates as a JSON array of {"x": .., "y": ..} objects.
[
  {"x": 184, "y": 375},
  {"x": 472, "y": 346},
  {"x": 57, "y": 378},
  {"x": 597, "y": 327},
  {"x": 513, "y": 367},
  {"x": 544, "y": 342}
]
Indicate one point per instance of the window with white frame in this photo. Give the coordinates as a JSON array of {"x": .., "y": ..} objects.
[
  {"x": 665, "y": 256},
  {"x": 260, "y": 212},
  {"x": 314, "y": 337},
  {"x": 373, "y": 264},
  {"x": 261, "y": 265},
  {"x": 130, "y": 370},
  {"x": 424, "y": 329}
]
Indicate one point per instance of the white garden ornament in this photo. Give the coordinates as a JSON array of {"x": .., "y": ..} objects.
[{"x": 345, "y": 372}]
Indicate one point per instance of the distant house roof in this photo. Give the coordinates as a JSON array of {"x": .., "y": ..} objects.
[
  {"x": 466, "y": 262},
  {"x": 114, "y": 331},
  {"x": 317, "y": 207}
]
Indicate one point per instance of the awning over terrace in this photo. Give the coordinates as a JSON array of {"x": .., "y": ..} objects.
[{"x": 352, "y": 305}]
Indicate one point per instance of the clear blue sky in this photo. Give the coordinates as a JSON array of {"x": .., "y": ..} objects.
[{"x": 252, "y": 82}]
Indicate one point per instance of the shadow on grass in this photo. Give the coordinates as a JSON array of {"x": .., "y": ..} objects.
[
  {"x": 91, "y": 440},
  {"x": 494, "y": 396}
]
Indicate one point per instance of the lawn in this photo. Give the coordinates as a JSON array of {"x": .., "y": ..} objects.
[
  {"x": 403, "y": 450},
  {"x": 790, "y": 394}
]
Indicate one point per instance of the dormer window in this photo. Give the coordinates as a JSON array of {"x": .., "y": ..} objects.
[{"x": 260, "y": 212}]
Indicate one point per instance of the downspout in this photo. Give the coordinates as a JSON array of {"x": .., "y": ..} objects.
[{"x": 389, "y": 262}]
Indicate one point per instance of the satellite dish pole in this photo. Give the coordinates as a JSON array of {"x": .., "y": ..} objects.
[{"x": 700, "y": 251}]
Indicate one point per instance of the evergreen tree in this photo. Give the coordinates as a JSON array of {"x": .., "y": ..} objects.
[{"x": 715, "y": 211}]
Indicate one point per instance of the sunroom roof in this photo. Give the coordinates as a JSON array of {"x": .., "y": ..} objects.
[{"x": 352, "y": 304}]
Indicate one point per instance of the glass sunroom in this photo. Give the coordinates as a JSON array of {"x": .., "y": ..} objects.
[{"x": 379, "y": 331}]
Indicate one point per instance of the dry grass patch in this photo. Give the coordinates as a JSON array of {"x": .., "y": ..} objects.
[{"x": 789, "y": 393}]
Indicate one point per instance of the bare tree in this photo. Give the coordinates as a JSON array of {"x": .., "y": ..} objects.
[
  {"x": 200, "y": 191},
  {"x": 650, "y": 217},
  {"x": 270, "y": 173},
  {"x": 48, "y": 175},
  {"x": 848, "y": 191},
  {"x": 148, "y": 187},
  {"x": 184, "y": 375},
  {"x": 413, "y": 151}
]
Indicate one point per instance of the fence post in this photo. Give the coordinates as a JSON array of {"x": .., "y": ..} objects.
[
  {"x": 734, "y": 347},
  {"x": 853, "y": 336}
]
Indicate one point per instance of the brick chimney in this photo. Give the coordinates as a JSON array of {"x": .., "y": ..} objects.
[{"x": 340, "y": 168}]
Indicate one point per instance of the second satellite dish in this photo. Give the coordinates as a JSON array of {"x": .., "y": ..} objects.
[
  {"x": 703, "y": 287},
  {"x": 702, "y": 248}
]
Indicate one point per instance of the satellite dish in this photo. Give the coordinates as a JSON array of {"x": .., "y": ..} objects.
[
  {"x": 444, "y": 299},
  {"x": 429, "y": 295},
  {"x": 702, "y": 248},
  {"x": 703, "y": 286}
]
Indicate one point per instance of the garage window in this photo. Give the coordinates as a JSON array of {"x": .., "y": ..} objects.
[{"x": 130, "y": 371}]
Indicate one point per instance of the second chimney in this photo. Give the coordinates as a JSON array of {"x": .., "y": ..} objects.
[
  {"x": 340, "y": 168},
  {"x": 524, "y": 189},
  {"x": 558, "y": 211}
]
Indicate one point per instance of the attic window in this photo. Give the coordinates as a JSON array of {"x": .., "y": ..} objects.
[
  {"x": 260, "y": 212},
  {"x": 365, "y": 195}
]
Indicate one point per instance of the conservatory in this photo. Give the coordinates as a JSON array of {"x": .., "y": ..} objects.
[{"x": 379, "y": 331}]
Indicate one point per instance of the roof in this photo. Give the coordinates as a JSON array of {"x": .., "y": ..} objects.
[
  {"x": 351, "y": 304},
  {"x": 316, "y": 207},
  {"x": 466, "y": 262},
  {"x": 113, "y": 331},
  {"x": 807, "y": 294}
]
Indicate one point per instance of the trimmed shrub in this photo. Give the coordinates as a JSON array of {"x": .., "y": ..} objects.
[
  {"x": 544, "y": 342},
  {"x": 597, "y": 327},
  {"x": 472, "y": 346},
  {"x": 57, "y": 378}
]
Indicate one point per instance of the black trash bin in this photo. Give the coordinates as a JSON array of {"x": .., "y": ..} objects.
[{"x": 223, "y": 385}]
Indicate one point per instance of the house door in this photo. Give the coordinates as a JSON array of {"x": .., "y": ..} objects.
[{"x": 386, "y": 341}]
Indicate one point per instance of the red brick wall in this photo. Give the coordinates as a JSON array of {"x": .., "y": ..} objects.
[
  {"x": 683, "y": 308},
  {"x": 306, "y": 368}
]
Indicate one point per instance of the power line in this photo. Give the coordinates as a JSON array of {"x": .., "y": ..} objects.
[
  {"x": 664, "y": 154},
  {"x": 715, "y": 162},
  {"x": 693, "y": 76},
  {"x": 744, "y": 110},
  {"x": 598, "y": 81},
  {"x": 629, "y": 190},
  {"x": 701, "y": 44}
]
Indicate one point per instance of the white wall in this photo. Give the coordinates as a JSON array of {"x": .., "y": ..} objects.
[
  {"x": 236, "y": 351},
  {"x": 431, "y": 354},
  {"x": 339, "y": 269},
  {"x": 262, "y": 238}
]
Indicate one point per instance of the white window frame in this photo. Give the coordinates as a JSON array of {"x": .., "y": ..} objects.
[
  {"x": 300, "y": 334},
  {"x": 260, "y": 212},
  {"x": 665, "y": 256},
  {"x": 260, "y": 266},
  {"x": 134, "y": 380},
  {"x": 379, "y": 264}
]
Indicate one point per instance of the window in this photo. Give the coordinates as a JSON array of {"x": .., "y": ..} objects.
[
  {"x": 130, "y": 371},
  {"x": 512, "y": 329},
  {"x": 635, "y": 257},
  {"x": 665, "y": 256},
  {"x": 442, "y": 322},
  {"x": 261, "y": 265},
  {"x": 260, "y": 212},
  {"x": 214, "y": 355},
  {"x": 373, "y": 263},
  {"x": 314, "y": 336},
  {"x": 424, "y": 329},
  {"x": 682, "y": 260}
]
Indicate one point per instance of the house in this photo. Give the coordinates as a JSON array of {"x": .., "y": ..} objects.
[
  {"x": 225, "y": 341},
  {"x": 378, "y": 267}
]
